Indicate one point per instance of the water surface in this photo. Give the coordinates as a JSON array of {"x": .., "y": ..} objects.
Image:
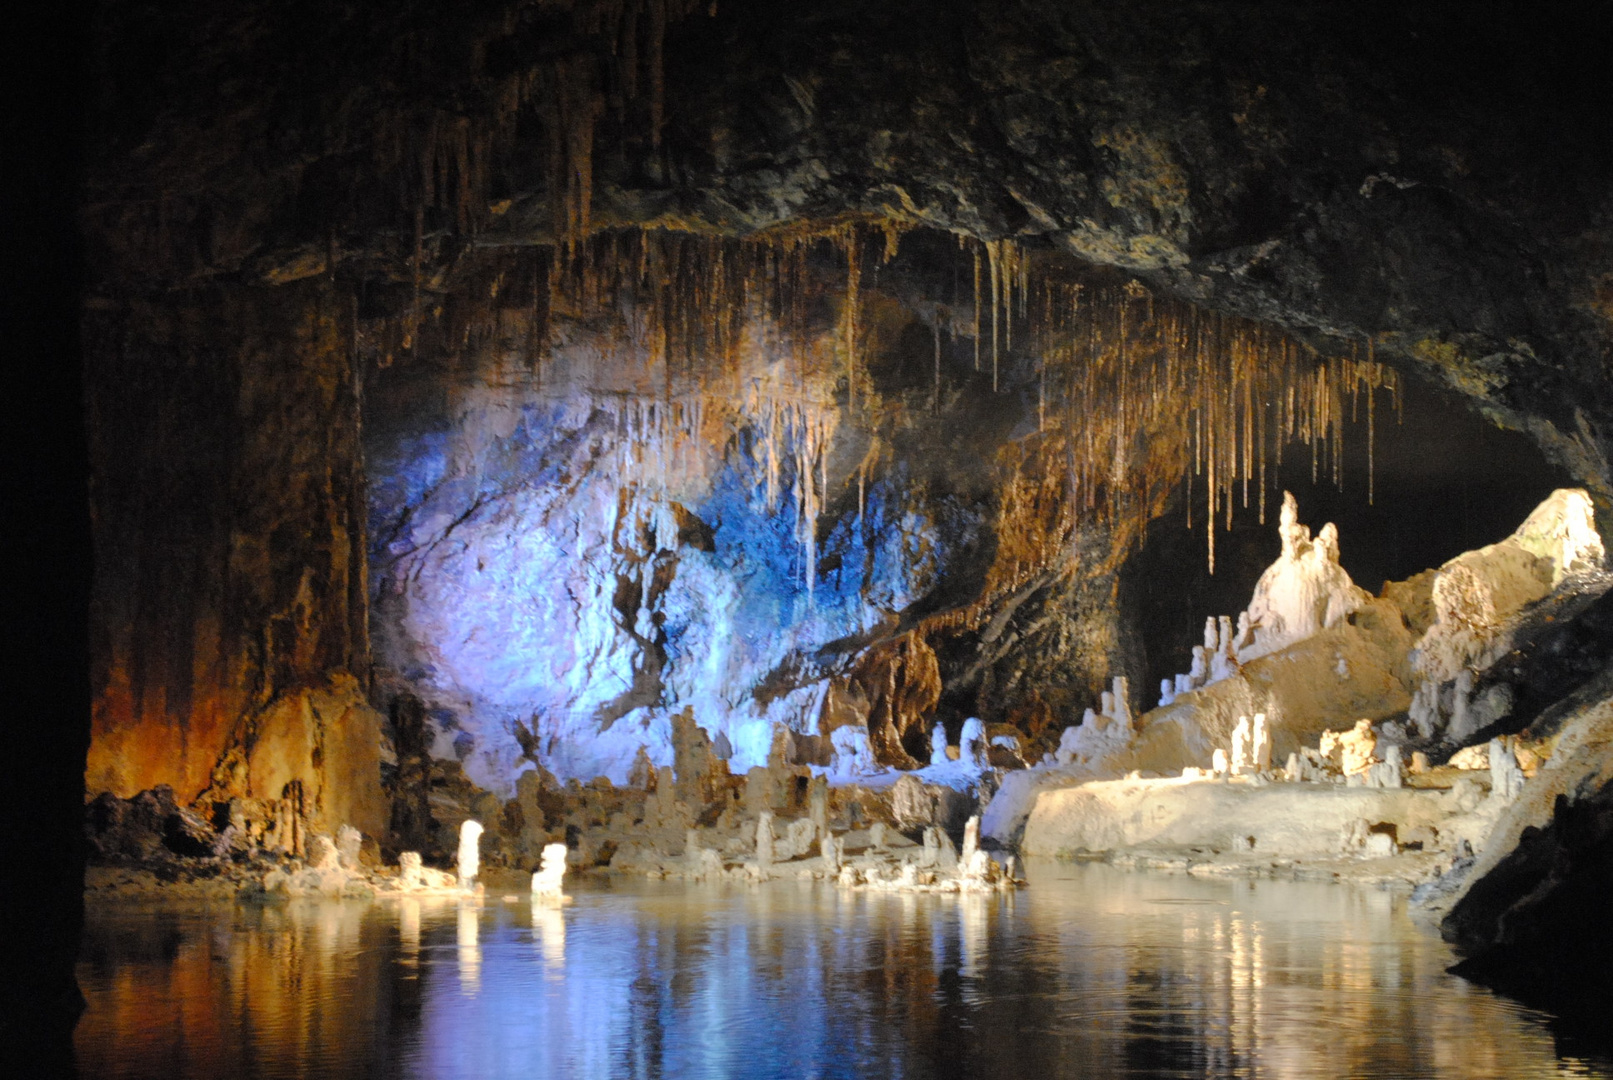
[{"x": 1089, "y": 972}]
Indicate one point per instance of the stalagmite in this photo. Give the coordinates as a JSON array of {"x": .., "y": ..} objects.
[
  {"x": 409, "y": 867},
  {"x": 834, "y": 853},
  {"x": 470, "y": 855},
  {"x": 1260, "y": 746},
  {"x": 764, "y": 839},
  {"x": 1239, "y": 758},
  {"x": 971, "y": 840},
  {"x": 972, "y": 743},
  {"x": 1506, "y": 779},
  {"x": 546, "y": 881},
  {"x": 938, "y": 744}
]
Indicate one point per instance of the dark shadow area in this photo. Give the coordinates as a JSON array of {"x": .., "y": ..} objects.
[{"x": 43, "y": 489}]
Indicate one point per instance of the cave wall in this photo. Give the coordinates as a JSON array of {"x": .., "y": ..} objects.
[
  {"x": 574, "y": 544},
  {"x": 1412, "y": 184},
  {"x": 229, "y": 612}
]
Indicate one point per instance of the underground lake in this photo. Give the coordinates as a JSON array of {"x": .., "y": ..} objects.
[
  {"x": 861, "y": 538},
  {"x": 1090, "y": 971}
]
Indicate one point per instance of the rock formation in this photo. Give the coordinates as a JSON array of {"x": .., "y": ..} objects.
[
  {"x": 546, "y": 881},
  {"x": 470, "y": 853}
]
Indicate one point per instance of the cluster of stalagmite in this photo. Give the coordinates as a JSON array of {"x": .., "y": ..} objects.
[{"x": 1321, "y": 675}]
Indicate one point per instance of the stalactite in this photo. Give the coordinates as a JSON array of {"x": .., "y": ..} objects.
[
  {"x": 695, "y": 342},
  {"x": 977, "y": 308}
]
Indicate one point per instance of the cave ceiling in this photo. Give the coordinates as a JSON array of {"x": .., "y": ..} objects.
[{"x": 1431, "y": 178}]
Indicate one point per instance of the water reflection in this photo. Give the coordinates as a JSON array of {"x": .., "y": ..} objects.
[
  {"x": 1090, "y": 972},
  {"x": 468, "y": 930}
]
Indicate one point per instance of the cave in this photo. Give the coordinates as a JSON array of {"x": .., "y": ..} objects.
[{"x": 635, "y": 482}]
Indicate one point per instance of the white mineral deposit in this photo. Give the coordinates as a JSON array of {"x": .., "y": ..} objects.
[{"x": 470, "y": 852}]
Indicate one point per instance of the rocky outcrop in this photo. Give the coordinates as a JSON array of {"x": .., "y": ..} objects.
[
  {"x": 1530, "y": 915},
  {"x": 1332, "y": 657}
]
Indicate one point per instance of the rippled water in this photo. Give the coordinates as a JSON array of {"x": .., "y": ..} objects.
[{"x": 1090, "y": 972}]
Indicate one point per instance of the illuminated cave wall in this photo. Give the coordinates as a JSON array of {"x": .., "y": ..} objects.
[
  {"x": 573, "y": 544},
  {"x": 804, "y": 481}
]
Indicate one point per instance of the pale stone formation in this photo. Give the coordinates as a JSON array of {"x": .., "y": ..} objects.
[
  {"x": 1388, "y": 773},
  {"x": 1260, "y": 745},
  {"x": 1424, "y": 710},
  {"x": 1100, "y": 735},
  {"x": 1119, "y": 707},
  {"x": 1303, "y": 592},
  {"x": 1069, "y": 740},
  {"x": 1471, "y": 758},
  {"x": 977, "y": 868},
  {"x": 470, "y": 851},
  {"x": 972, "y": 743},
  {"x": 971, "y": 840},
  {"x": 876, "y": 836},
  {"x": 1200, "y": 671},
  {"x": 1007, "y": 742},
  {"x": 1223, "y": 663},
  {"x": 1462, "y": 721},
  {"x": 938, "y": 744},
  {"x": 1352, "y": 752},
  {"x": 546, "y": 881},
  {"x": 1478, "y": 596},
  {"x": 834, "y": 853},
  {"x": 409, "y": 870},
  {"x": 853, "y": 754},
  {"x": 818, "y": 806},
  {"x": 764, "y": 839},
  {"x": 322, "y": 853},
  {"x": 1506, "y": 779},
  {"x": 798, "y": 838},
  {"x": 1218, "y": 762},
  {"x": 1167, "y": 691},
  {"x": 1379, "y": 845},
  {"x": 349, "y": 847},
  {"x": 1239, "y": 763},
  {"x": 700, "y": 861}
]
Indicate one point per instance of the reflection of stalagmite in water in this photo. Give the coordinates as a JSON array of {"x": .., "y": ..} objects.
[
  {"x": 972, "y": 933},
  {"x": 470, "y": 949},
  {"x": 549, "y": 935},
  {"x": 409, "y": 931}
]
